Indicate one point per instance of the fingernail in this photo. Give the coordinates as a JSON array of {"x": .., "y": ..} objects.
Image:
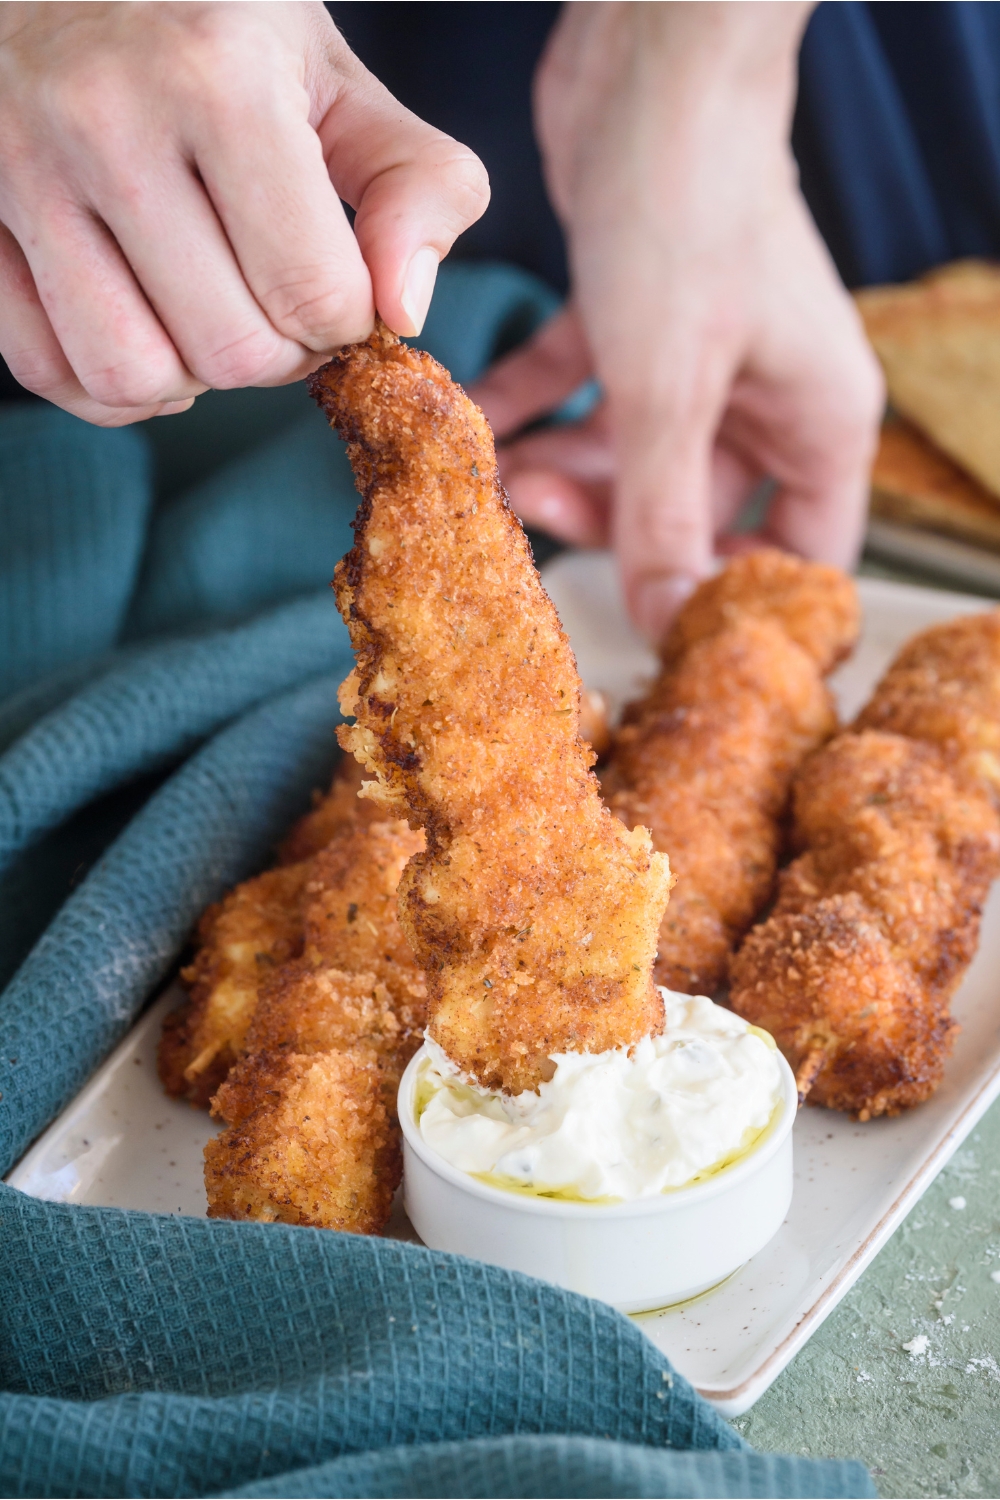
[
  {"x": 172, "y": 408},
  {"x": 655, "y": 601},
  {"x": 418, "y": 287}
]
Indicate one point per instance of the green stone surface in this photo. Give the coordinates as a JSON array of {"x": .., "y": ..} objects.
[{"x": 926, "y": 1421}]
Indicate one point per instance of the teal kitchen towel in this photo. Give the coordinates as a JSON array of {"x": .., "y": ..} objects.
[{"x": 168, "y": 679}]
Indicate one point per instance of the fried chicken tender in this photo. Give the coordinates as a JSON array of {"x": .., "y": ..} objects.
[
  {"x": 705, "y": 759},
  {"x": 351, "y": 918},
  {"x": 325, "y": 1150},
  {"x": 875, "y": 922},
  {"x": 341, "y": 806},
  {"x": 944, "y": 686},
  {"x": 815, "y": 605},
  {"x": 313, "y": 1136},
  {"x": 533, "y": 911},
  {"x": 240, "y": 940}
]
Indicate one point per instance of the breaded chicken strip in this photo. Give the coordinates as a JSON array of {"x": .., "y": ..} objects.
[
  {"x": 533, "y": 910},
  {"x": 944, "y": 686},
  {"x": 310, "y": 1141},
  {"x": 313, "y": 1135},
  {"x": 851, "y": 1020},
  {"x": 351, "y": 919},
  {"x": 240, "y": 940},
  {"x": 875, "y": 923},
  {"x": 815, "y": 605},
  {"x": 339, "y": 807},
  {"x": 705, "y": 759}
]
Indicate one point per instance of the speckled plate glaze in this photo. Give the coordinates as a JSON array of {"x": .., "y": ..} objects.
[{"x": 123, "y": 1143}]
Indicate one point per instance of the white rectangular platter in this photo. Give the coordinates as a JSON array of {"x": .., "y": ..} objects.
[{"x": 123, "y": 1143}]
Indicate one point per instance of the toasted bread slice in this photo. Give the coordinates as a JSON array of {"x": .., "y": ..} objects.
[
  {"x": 914, "y": 482},
  {"x": 939, "y": 343}
]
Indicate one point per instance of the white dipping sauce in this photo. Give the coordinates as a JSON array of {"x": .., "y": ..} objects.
[{"x": 621, "y": 1124}]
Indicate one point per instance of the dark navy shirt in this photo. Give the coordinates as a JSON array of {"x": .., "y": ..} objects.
[{"x": 897, "y": 131}]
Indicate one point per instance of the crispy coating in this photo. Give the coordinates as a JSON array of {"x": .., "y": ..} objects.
[
  {"x": 892, "y": 820},
  {"x": 875, "y": 922},
  {"x": 351, "y": 919},
  {"x": 533, "y": 910},
  {"x": 815, "y": 605},
  {"x": 339, "y": 807},
  {"x": 851, "y": 1020},
  {"x": 313, "y": 1136},
  {"x": 944, "y": 686},
  {"x": 240, "y": 939},
  {"x": 322, "y": 1148},
  {"x": 705, "y": 759}
]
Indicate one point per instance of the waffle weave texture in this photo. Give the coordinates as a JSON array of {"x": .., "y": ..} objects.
[{"x": 168, "y": 686}]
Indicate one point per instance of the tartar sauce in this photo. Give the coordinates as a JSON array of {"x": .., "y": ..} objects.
[{"x": 613, "y": 1125}]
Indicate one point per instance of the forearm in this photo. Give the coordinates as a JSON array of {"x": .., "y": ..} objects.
[
  {"x": 659, "y": 69},
  {"x": 643, "y": 110}
]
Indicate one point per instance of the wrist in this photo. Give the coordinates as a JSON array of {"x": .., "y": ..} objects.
[
  {"x": 744, "y": 44},
  {"x": 632, "y": 76}
]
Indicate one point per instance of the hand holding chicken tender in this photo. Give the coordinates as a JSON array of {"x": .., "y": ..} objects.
[{"x": 533, "y": 911}]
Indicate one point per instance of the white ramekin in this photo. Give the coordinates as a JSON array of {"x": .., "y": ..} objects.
[{"x": 638, "y": 1256}]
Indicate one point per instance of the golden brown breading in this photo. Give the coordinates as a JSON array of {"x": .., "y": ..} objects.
[
  {"x": 875, "y": 923},
  {"x": 258, "y": 925},
  {"x": 351, "y": 918},
  {"x": 310, "y": 1141},
  {"x": 815, "y": 605},
  {"x": 944, "y": 686},
  {"x": 851, "y": 1020},
  {"x": 892, "y": 820},
  {"x": 240, "y": 939},
  {"x": 706, "y": 758},
  {"x": 340, "y": 806},
  {"x": 533, "y": 910},
  {"x": 308, "y": 1007},
  {"x": 313, "y": 1140}
]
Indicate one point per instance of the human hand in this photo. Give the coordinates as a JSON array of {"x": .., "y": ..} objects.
[
  {"x": 703, "y": 300},
  {"x": 170, "y": 214}
]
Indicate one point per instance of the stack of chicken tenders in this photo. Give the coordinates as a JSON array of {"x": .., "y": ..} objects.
[{"x": 469, "y": 877}]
